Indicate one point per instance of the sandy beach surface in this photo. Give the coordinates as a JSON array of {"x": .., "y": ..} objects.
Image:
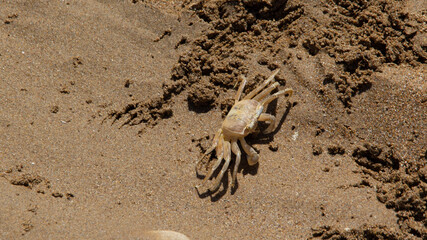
[{"x": 106, "y": 107}]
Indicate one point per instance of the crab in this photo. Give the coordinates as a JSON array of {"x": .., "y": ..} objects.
[{"x": 239, "y": 123}]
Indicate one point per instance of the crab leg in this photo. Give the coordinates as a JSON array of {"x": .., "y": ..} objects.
[
  {"x": 252, "y": 154},
  {"x": 266, "y": 101},
  {"x": 220, "y": 155},
  {"x": 240, "y": 90},
  {"x": 265, "y": 117},
  {"x": 236, "y": 151},
  {"x": 262, "y": 86},
  {"x": 266, "y": 91},
  {"x": 214, "y": 144},
  {"x": 227, "y": 156},
  {"x": 215, "y": 141}
]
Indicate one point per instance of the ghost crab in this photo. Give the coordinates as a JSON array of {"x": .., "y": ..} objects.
[{"x": 240, "y": 122}]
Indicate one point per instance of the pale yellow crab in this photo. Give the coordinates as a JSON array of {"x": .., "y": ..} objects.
[{"x": 240, "y": 122}]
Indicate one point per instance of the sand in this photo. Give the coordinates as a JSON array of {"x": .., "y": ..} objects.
[{"x": 106, "y": 107}]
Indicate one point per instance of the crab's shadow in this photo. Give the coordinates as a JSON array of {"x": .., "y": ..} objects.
[
  {"x": 244, "y": 167},
  {"x": 265, "y": 138}
]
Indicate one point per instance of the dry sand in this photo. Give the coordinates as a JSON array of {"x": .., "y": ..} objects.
[{"x": 106, "y": 106}]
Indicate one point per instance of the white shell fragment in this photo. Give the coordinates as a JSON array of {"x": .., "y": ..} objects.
[{"x": 164, "y": 235}]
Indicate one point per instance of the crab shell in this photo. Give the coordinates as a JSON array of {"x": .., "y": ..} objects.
[{"x": 242, "y": 119}]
